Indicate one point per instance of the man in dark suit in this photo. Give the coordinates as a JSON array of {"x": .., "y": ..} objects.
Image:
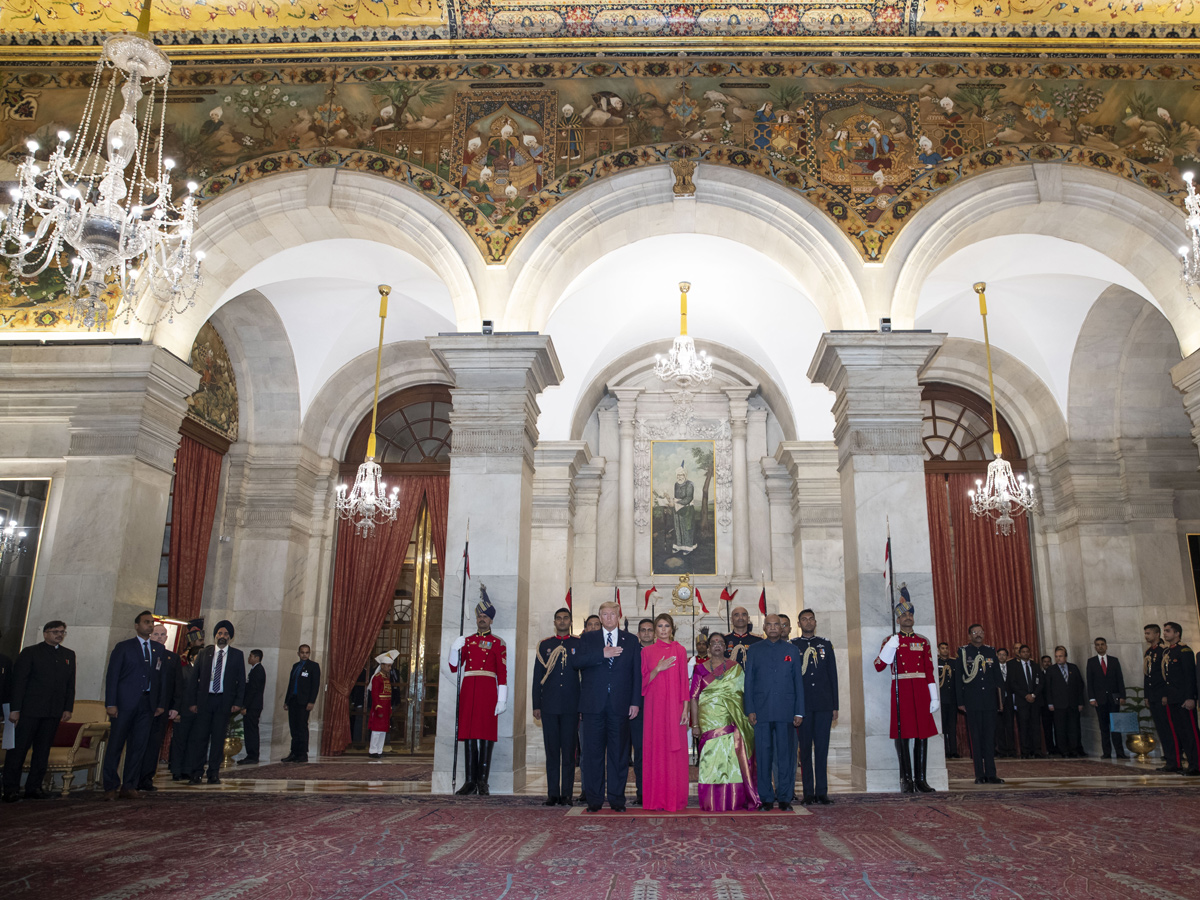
[
  {"x": 1064, "y": 698},
  {"x": 556, "y": 707},
  {"x": 774, "y": 704},
  {"x": 219, "y": 691},
  {"x": 610, "y": 665},
  {"x": 1025, "y": 689},
  {"x": 645, "y": 635},
  {"x": 43, "y": 695},
  {"x": 304, "y": 683},
  {"x": 171, "y": 699},
  {"x": 818, "y": 670},
  {"x": 1006, "y": 718},
  {"x": 131, "y": 691},
  {"x": 181, "y": 738},
  {"x": 256, "y": 685},
  {"x": 1046, "y": 714},
  {"x": 1106, "y": 692},
  {"x": 946, "y": 693}
]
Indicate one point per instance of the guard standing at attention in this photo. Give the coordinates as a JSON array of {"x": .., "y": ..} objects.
[
  {"x": 1154, "y": 691},
  {"x": 484, "y": 693},
  {"x": 979, "y": 686},
  {"x": 948, "y": 701},
  {"x": 556, "y": 706},
  {"x": 818, "y": 670},
  {"x": 1179, "y": 673},
  {"x": 915, "y": 698}
]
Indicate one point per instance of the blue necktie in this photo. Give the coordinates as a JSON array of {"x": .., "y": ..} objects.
[
  {"x": 296, "y": 679},
  {"x": 146, "y": 659},
  {"x": 216, "y": 680},
  {"x": 608, "y": 640}
]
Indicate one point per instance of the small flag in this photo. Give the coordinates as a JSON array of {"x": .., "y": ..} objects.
[
  {"x": 700, "y": 600},
  {"x": 762, "y": 601},
  {"x": 887, "y": 560},
  {"x": 568, "y": 602},
  {"x": 653, "y": 590},
  {"x": 620, "y": 612},
  {"x": 726, "y": 596}
]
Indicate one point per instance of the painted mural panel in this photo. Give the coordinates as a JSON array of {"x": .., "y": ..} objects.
[
  {"x": 215, "y": 402},
  {"x": 683, "y": 530},
  {"x": 867, "y": 140},
  {"x": 1085, "y": 14}
]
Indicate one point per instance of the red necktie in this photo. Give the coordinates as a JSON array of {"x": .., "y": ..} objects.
[{"x": 1103, "y": 665}]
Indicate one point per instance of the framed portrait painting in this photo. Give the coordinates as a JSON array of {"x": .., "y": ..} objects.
[{"x": 683, "y": 489}]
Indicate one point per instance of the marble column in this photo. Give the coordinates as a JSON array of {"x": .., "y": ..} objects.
[
  {"x": 497, "y": 379},
  {"x": 881, "y": 470},
  {"x": 626, "y": 413},
  {"x": 585, "y": 571},
  {"x": 741, "y": 502},
  {"x": 102, "y": 421}
]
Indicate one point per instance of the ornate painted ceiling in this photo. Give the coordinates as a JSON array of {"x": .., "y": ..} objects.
[{"x": 260, "y": 21}]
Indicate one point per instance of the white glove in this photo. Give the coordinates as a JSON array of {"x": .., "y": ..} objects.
[
  {"x": 888, "y": 653},
  {"x": 456, "y": 649},
  {"x": 501, "y": 698},
  {"x": 935, "y": 701}
]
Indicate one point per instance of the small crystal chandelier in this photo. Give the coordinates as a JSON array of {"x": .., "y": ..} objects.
[
  {"x": 12, "y": 540},
  {"x": 1005, "y": 494},
  {"x": 683, "y": 365},
  {"x": 1191, "y": 254},
  {"x": 368, "y": 504},
  {"x": 104, "y": 201}
]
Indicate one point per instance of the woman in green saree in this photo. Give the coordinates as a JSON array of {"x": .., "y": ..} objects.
[{"x": 727, "y": 776}]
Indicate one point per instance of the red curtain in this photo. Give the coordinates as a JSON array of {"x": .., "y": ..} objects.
[
  {"x": 365, "y": 572},
  {"x": 197, "y": 480}
]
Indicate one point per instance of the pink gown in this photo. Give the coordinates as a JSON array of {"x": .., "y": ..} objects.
[{"x": 664, "y": 740}]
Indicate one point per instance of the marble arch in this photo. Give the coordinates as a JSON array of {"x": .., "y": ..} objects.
[
  {"x": 1107, "y": 213},
  {"x": 639, "y": 204},
  {"x": 253, "y": 222}
]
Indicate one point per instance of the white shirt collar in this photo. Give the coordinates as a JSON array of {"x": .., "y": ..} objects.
[{"x": 612, "y": 631}]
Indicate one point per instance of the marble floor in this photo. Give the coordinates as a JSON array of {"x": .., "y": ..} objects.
[{"x": 1127, "y": 773}]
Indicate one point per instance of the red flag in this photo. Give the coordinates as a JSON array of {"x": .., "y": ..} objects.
[
  {"x": 569, "y": 607},
  {"x": 762, "y": 601},
  {"x": 726, "y": 596},
  {"x": 653, "y": 590},
  {"x": 700, "y": 600},
  {"x": 620, "y": 612},
  {"x": 466, "y": 560}
]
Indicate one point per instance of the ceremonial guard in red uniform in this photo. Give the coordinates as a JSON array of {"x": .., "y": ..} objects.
[
  {"x": 914, "y": 699},
  {"x": 379, "y": 703},
  {"x": 483, "y": 696}
]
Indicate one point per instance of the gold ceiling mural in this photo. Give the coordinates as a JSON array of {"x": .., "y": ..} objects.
[{"x": 1084, "y": 14}]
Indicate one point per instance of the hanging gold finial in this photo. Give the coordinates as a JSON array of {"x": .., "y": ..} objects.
[
  {"x": 979, "y": 288},
  {"x": 684, "y": 287},
  {"x": 143, "y": 25},
  {"x": 384, "y": 290}
]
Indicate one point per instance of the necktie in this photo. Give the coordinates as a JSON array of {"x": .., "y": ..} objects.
[
  {"x": 296, "y": 680},
  {"x": 1028, "y": 679},
  {"x": 1063, "y": 669},
  {"x": 216, "y": 679},
  {"x": 146, "y": 660},
  {"x": 1104, "y": 665},
  {"x": 608, "y": 640}
]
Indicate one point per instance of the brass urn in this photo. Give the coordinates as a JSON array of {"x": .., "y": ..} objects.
[
  {"x": 1142, "y": 744},
  {"x": 233, "y": 746}
]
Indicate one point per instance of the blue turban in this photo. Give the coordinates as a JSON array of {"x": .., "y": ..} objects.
[{"x": 485, "y": 605}]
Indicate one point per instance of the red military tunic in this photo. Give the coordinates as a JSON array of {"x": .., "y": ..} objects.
[
  {"x": 485, "y": 665},
  {"x": 380, "y": 716},
  {"x": 914, "y": 673}
]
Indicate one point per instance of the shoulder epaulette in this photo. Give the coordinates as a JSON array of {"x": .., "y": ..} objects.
[{"x": 921, "y": 636}]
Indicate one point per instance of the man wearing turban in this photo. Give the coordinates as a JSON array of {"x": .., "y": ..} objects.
[{"x": 483, "y": 696}]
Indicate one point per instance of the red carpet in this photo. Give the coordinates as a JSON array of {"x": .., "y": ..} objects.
[
  {"x": 1051, "y": 768},
  {"x": 1092, "y": 845},
  {"x": 341, "y": 770}
]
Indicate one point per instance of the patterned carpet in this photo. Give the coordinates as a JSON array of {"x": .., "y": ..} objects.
[
  {"x": 1052, "y": 768},
  {"x": 1094, "y": 845},
  {"x": 341, "y": 770}
]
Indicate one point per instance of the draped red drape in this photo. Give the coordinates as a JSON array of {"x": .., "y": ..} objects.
[
  {"x": 365, "y": 571},
  {"x": 197, "y": 479}
]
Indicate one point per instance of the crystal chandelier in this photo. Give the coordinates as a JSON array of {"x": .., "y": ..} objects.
[
  {"x": 1004, "y": 494},
  {"x": 1191, "y": 254},
  {"x": 101, "y": 211},
  {"x": 368, "y": 504},
  {"x": 683, "y": 365},
  {"x": 12, "y": 540}
]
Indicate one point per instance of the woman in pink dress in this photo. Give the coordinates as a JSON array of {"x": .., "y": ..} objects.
[{"x": 664, "y": 736}]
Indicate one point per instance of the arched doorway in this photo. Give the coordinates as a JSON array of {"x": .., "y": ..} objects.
[
  {"x": 413, "y": 437},
  {"x": 978, "y": 576}
]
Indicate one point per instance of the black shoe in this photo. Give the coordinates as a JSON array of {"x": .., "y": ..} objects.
[
  {"x": 564, "y": 801},
  {"x": 808, "y": 800},
  {"x": 37, "y": 794},
  {"x": 482, "y": 789},
  {"x": 247, "y": 762},
  {"x": 994, "y": 780},
  {"x": 1122, "y": 756},
  {"x": 179, "y": 778},
  {"x": 824, "y": 800},
  {"x": 616, "y": 807},
  {"x": 637, "y": 801},
  {"x": 11, "y": 798},
  {"x": 469, "y": 788},
  {"x": 214, "y": 779},
  {"x": 593, "y": 807},
  {"x": 1169, "y": 770},
  {"x": 981, "y": 781},
  {"x": 195, "y": 779},
  {"x": 288, "y": 758},
  {"x": 785, "y": 806},
  {"x": 299, "y": 759},
  {"x": 766, "y": 807},
  {"x": 147, "y": 787},
  {"x": 1192, "y": 773},
  {"x": 582, "y": 798},
  {"x": 1105, "y": 756},
  {"x": 553, "y": 801}
]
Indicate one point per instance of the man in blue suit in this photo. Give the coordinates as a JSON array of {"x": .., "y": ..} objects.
[
  {"x": 774, "y": 704},
  {"x": 218, "y": 691},
  {"x": 610, "y": 665},
  {"x": 131, "y": 690}
]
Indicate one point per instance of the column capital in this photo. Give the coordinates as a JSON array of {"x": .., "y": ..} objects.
[
  {"x": 626, "y": 403},
  {"x": 555, "y": 466},
  {"x": 1186, "y": 377}
]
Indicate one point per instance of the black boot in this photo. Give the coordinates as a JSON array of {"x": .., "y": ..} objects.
[
  {"x": 920, "y": 758},
  {"x": 485, "y": 765},
  {"x": 471, "y": 766},
  {"x": 906, "y": 775}
]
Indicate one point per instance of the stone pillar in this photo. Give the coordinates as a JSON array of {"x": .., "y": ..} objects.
[
  {"x": 881, "y": 468},
  {"x": 759, "y": 496},
  {"x": 584, "y": 572},
  {"x": 741, "y": 503},
  {"x": 497, "y": 379},
  {"x": 626, "y": 412},
  {"x": 607, "y": 503},
  {"x": 102, "y": 421}
]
